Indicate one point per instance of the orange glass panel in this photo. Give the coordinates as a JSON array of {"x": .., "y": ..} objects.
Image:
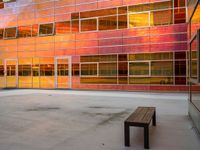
[{"x": 138, "y": 20}]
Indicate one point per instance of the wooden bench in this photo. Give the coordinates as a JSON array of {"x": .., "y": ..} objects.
[{"x": 141, "y": 117}]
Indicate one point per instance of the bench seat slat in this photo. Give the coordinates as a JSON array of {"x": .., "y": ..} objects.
[{"x": 141, "y": 115}]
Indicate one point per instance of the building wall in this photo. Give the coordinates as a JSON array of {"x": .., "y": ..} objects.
[
  {"x": 194, "y": 63},
  {"x": 123, "y": 52}
]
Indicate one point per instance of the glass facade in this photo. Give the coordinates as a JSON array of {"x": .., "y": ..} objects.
[{"x": 120, "y": 45}]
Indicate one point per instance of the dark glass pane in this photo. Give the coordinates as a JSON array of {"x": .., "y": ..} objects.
[
  {"x": 161, "y": 56},
  {"x": 179, "y": 15},
  {"x": 180, "y": 55},
  {"x": 24, "y": 70},
  {"x": 122, "y": 10},
  {"x": 123, "y": 69},
  {"x": 1, "y": 33},
  {"x": 75, "y": 16},
  {"x": 89, "y": 25},
  {"x": 90, "y": 58},
  {"x": 122, "y": 22},
  {"x": 1, "y": 70},
  {"x": 88, "y": 69},
  {"x": 162, "y": 68},
  {"x": 180, "y": 68},
  {"x": 103, "y": 58},
  {"x": 75, "y": 25},
  {"x": 10, "y": 32},
  {"x": 63, "y": 27},
  {"x": 108, "y": 23},
  {"x": 107, "y": 69},
  {"x": 98, "y": 13},
  {"x": 122, "y": 57},
  {"x": 11, "y": 70},
  {"x": 133, "y": 57},
  {"x": 62, "y": 69},
  {"x": 24, "y": 31},
  {"x": 75, "y": 69},
  {"x": 47, "y": 70},
  {"x": 46, "y": 29},
  {"x": 139, "y": 68},
  {"x": 179, "y": 3},
  {"x": 180, "y": 80}
]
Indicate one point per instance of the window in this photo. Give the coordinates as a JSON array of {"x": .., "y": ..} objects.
[
  {"x": 75, "y": 69},
  {"x": 1, "y": 33},
  {"x": 88, "y": 25},
  {"x": 108, "y": 23},
  {"x": 162, "y": 56},
  {"x": 1, "y": 4},
  {"x": 179, "y": 3},
  {"x": 98, "y": 13},
  {"x": 139, "y": 68},
  {"x": 107, "y": 69},
  {"x": 122, "y": 68},
  {"x": 161, "y": 18},
  {"x": 63, "y": 27},
  {"x": 133, "y": 57},
  {"x": 162, "y": 68},
  {"x": 35, "y": 69},
  {"x": 46, "y": 29},
  {"x": 62, "y": 69},
  {"x": 24, "y": 70},
  {"x": 1, "y": 70},
  {"x": 75, "y": 25},
  {"x": 138, "y": 20},
  {"x": 47, "y": 70},
  {"x": 10, "y": 33},
  {"x": 139, "y": 8},
  {"x": 89, "y": 69},
  {"x": 122, "y": 22},
  {"x": 179, "y": 15},
  {"x": 24, "y": 31}
]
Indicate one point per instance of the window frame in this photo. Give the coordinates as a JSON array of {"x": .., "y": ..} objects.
[
  {"x": 51, "y": 34},
  {"x": 16, "y": 31}
]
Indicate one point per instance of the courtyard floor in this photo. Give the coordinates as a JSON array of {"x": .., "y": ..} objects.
[{"x": 91, "y": 120}]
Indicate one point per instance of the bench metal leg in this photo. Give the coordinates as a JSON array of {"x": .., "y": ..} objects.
[
  {"x": 146, "y": 137},
  {"x": 154, "y": 119},
  {"x": 126, "y": 134}
]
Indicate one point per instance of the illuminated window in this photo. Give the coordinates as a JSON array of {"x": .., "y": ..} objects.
[
  {"x": 89, "y": 69},
  {"x": 46, "y": 29},
  {"x": 108, "y": 23},
  {"x": 138, "y": 20},
  {"x": 139, "y": 68},
  {"x": 63, "y": 27},
  {"x": 10, "y": 33},
  {"x": 88, "y": 25},
  {"x": 24, "y": 31}
]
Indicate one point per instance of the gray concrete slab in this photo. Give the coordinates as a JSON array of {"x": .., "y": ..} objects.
[{"x": 91, "y": 120}]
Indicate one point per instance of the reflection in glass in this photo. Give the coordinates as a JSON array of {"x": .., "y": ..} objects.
[
  {"x": 139, "y": 68},
  {"x": 107, "y": 69},
  {"x": 138, "y": 20},
  {"x": 10, "y": 33},
  {"x": 108, "y": 23},
  {"x": 63, "y": 27},
  {"x": 122, "y": 22},
  {"x": 46, "y": 29},
  {"x": 24, "y": 31},
  {"x": 88, "y": 25},
  {"x": 161, "y": 18},
  {"x": 162, "y": 68},
  {"x": 24, "y": 70},
  {"x": 88, "y": 69},
  {"x": 1, "y": 70},
  {"x": 1, "y": 33}
]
